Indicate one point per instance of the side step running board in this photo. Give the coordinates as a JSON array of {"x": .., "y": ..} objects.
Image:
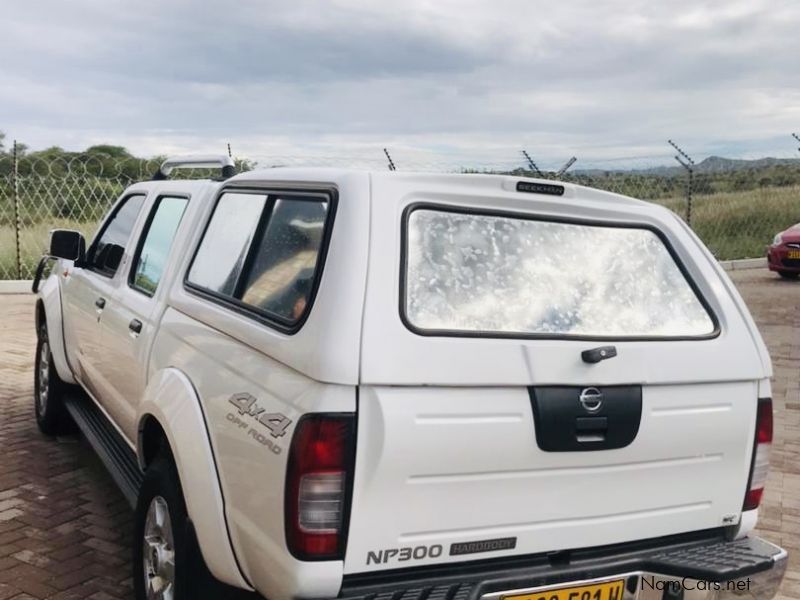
[{"x": 109, "y": 445}]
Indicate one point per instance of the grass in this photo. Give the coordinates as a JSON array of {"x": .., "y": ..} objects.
[
  {"x": 741, "y": 224},
  {"x": 33, "y": 243},
  {"x": 732, "y": 224}
]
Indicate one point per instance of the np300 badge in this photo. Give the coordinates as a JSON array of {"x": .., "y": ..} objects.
[{"x": 403, "y": 554}]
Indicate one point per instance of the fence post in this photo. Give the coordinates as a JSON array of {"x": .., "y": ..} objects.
[
  {"x": 15, "y": 194},
  {"x": 688, "y": 164},
  {"x": 689, "y": 186},
  {"x": 566, "y": 167}
]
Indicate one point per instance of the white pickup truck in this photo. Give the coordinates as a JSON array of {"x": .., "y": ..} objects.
[{"x": 319, "y": 383}]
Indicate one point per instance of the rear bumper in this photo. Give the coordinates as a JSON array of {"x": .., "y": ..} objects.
[{"x": 701, "y": 569}]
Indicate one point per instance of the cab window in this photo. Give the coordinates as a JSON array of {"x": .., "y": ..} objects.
[
  {"x": 105, "y": 254},
  {"x": 155, "y": 244}
]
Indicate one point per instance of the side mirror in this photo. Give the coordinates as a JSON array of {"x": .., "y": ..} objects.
[{"x": 67, "y": 244}]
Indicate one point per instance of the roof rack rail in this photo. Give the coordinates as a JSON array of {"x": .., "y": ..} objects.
[{"x": 196, "y": 161}]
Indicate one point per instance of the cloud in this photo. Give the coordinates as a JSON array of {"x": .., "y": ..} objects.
[{"x": 464, "y": 80}]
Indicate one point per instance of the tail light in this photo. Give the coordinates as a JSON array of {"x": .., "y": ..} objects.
[
  {"x": 318, "y": 481},
  {"x": 760, "y": 466}
]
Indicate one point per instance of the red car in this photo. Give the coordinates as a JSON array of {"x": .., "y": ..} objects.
[{"x": 783, "y": 255}]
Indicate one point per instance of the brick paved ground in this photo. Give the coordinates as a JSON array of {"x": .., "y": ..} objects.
[{"x": 65, "y": 529}]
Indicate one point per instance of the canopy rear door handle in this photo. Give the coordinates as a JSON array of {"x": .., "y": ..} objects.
[{"x": 595, "y": 355}]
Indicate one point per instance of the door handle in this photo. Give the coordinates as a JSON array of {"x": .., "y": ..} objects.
[
  {"x": 135, "y": 326},
  {"x": 100, "y": 303}
]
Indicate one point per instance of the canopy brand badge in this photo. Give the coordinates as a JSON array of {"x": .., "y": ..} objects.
[{"x": 483, "y": 546}]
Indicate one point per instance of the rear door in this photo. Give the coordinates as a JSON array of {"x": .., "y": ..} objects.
[
  {"x": 483, "y": 431},
  {"x": 130, "y": 321}
]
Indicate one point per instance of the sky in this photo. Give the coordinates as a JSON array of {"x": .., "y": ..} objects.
[{"x": 432, "y": 80}]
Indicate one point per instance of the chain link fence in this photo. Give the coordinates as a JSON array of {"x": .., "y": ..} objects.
[
  {"x": 40, "y": 193},
  {"x": 736, "y": 213},
  {"x": 734, "y": 218}
]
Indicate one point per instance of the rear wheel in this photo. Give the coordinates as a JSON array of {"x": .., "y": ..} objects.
[
  {"x": 788, "y": 274},
  {"x": 49, "y": 389},
  {"x": 160, "y": 547},
  {"x": 167, "y": 563}
]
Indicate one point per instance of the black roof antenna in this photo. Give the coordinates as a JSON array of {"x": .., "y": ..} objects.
[
  {"x": 532, "y": 164},
  {"x": 389, "y": 158}
]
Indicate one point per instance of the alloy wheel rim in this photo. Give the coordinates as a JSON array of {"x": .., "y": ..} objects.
[
  {"x": 158, "y": 552},
  {"x": 44, "y": 377}
]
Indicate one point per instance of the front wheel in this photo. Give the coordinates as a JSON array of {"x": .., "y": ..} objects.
[{"x": 49, "y": 389}]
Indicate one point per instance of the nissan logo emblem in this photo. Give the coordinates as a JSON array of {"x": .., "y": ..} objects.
[{"x": 591, "y": 399}]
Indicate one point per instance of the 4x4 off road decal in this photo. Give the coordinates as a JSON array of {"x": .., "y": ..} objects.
[{"x": 275, "y": 423}]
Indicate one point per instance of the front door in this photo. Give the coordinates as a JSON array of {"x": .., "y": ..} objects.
[{"x": 88, "y": 292}]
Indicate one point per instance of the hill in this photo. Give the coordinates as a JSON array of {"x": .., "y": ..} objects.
[{"x": 710, "y": 165}]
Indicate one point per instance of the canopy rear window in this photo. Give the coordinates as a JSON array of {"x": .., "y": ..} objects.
[{"x": 508, "y": 275}]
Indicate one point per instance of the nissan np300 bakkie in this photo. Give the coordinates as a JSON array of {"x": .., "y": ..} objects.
[{"x": 321, "y": 383}]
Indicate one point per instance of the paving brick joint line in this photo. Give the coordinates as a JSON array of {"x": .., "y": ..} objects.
[{"x": 65, "y": 530}]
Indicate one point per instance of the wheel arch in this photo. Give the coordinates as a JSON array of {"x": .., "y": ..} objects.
[
  {"x": 48, "y": 311},
  {"x": 40, "y": 315},
  {"x": 170, "y": 417},
  {"x": 152, "y": 440}
]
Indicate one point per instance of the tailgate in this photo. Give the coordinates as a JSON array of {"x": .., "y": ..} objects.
[{"x": 448, "y": 474}]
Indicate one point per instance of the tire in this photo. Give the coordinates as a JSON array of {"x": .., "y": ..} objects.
[
  {"x": 169, "y": 564},
  {"x": 788, "y": 274},
  {"x": 49, "y": 389}
]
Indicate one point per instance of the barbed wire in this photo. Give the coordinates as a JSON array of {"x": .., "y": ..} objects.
[
  {"x": 80, "y": 166},
  {"x": 99, "y": 165},
  {"x": 736, "y": 213}
]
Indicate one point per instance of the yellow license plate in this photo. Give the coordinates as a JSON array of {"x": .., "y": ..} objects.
[
  {"x": 611, "y": 590},
  {"x": 793, "y": 254}
]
